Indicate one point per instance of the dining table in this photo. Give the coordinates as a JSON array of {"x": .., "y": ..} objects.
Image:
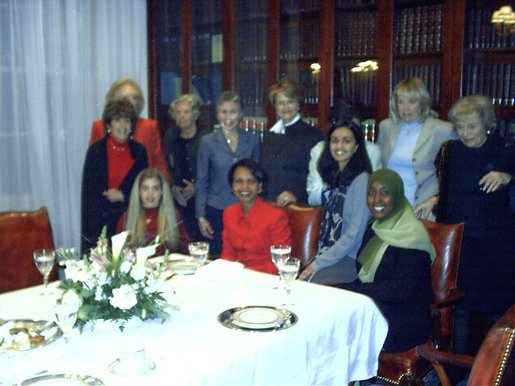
[{"x": 334, "y": 337}]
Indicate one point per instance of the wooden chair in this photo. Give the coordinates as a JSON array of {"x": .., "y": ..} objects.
[
  {"x": 494, "y": 363},
  {"x": 305, "y": 227},
  {"x": 21, "y": 233},
  {"x": 407, "y": 367}
]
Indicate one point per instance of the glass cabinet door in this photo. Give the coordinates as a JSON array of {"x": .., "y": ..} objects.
[{"x": 299, "y": 49}]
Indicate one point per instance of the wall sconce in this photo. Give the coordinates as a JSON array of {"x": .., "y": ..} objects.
[
  {"x": 369, "y": 65},
  {"x": 315, "y": 68},
  {"x": 504, "y": 16}
]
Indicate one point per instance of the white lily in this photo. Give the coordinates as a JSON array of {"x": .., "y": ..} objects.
[
  {"x": 142, "y": 254},
  {"x": 117, "y": 242}
]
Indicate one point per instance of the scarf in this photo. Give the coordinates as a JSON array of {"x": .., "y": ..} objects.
[{"x": 399, "y": 229}]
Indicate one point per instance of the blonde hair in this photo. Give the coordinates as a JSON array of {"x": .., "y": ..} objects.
[
  {"x": 412, "y": 88},
  {"x": 193, "y": 101},
  {"x": 112, "y": 94},
  {"x": 479, "y": 104},
  {"x": 288, "y": 87},
  {"x": 166, "y": 221}
]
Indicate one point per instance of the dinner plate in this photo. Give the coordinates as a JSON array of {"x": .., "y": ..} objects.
[
  {"x": 38, "y": 332},
  {"x": 63, "y": 379},
  {"x": 257, "y": 318}
]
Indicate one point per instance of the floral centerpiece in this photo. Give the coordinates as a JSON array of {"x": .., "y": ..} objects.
[{"x": 116, "y": 284}]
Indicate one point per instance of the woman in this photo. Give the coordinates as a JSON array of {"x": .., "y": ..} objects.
[
  {"x": 286, "y": 146},
  {"x": 146, "y": 131},
  {"x": 151, "y": 212},
  {"x": 344, "y": 167},
  {"x": 217, "y": 152},
  {"x": 410, "y": 139},
  {"x": 110, "y": 168},
  {"x": 252, "y": 225},
  {"x": 476, "y": 173},
  {"x": 396, "y": 263},
  {"x": 180, "y": 147}
]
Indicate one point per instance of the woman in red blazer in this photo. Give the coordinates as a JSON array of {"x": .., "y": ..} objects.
[
  {"x": 252, "y": 225},
  {"x": 146, "y": 132}
]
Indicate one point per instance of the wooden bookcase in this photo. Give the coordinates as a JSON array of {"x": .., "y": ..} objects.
[{"x": 246, "y": 45}]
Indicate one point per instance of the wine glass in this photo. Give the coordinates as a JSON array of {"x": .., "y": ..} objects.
[
  {"x": 66, "y": 310},
  {"x": 45, "y": 260},
  {"x": 288, "y": 271},
  {"x": 279, "y": 252},
  {"x": 199, "y": 250}
]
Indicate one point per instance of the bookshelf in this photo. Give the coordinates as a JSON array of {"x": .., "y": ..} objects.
[{"x": 246, "y": 45}]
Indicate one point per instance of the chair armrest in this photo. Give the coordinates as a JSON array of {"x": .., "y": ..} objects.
[
  {"x": 454, "y": 296},
  {"x": 442, "y": 357}
]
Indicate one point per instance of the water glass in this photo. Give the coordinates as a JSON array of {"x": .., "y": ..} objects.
[
  {"x": 288, "y": 271},
  {"x": 277, "y": 253},
  {"x": 44, "y": 260},
  {"x": 66, "y": 310},
  {"x": 199, "y": 251}
]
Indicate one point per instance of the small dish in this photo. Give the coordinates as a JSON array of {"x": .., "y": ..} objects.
[
  {"x": 184, "y": 268},
  {"x": 257, "y": 318},
  {"x": 129, "y": 368},
  {"x": 63, "y": 379},
  {"x": 37, "y": 333}
]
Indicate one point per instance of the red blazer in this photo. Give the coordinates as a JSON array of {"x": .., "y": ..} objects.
[
  {"x": 247, "y": 239},
  {"x": 147, "y": 133}
]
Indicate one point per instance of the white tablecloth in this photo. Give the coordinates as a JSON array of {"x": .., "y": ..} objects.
[{"x": 337, "y": 338}]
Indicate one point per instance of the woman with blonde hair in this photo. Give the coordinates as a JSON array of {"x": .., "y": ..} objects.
[
  {"x": 151, "y": 212},
  {"x": 410, "y": 139}
]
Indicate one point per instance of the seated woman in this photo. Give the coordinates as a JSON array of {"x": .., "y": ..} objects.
[
  {"x": 396, "y": 263},
  {"x": 344, "y": 167},
  {"x": 151, "y": 213},
  {"x": 251, "y": 226}
]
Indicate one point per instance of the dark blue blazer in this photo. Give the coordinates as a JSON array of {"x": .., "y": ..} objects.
[{"x": 97, "y": 210}]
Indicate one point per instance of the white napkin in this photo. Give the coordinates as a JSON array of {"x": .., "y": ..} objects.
[{"x": 220, "y": 269}]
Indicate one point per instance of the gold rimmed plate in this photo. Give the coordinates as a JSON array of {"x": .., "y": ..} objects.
[
  {"x": 257, "y": 318},
  {"x": 27, "y": 334},
  {"x": 63, "y": 379}
]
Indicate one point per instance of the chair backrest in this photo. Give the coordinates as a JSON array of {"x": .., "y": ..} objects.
[
  {"x": 21, "y": 233},
  {"x": 446, "y": 239},
  {"x": 494, "y": 363},
  {"x": 305, "y": 227}
]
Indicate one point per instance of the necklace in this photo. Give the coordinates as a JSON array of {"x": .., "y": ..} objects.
[
  {"x": 118, "y": 148},
  {"x": 230, "y": 140}
]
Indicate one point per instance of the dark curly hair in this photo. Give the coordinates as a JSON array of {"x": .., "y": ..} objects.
[
  {"x": 119, "y": 109},
  {"x": 257, "y": 171},
  {"x": 359, "y": 162}
]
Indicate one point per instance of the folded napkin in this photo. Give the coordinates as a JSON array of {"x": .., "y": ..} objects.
[{"x": 220, "y": 269}]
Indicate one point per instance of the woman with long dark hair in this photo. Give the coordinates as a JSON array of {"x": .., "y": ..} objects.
[{"x": 344, "y": 167}]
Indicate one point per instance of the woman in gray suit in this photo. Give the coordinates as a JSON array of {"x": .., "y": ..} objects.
[
  {"x": 217, "y": 152},
  {"x": 410, "y": 139}
]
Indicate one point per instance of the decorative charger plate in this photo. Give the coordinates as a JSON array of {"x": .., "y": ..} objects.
[
  {"x": 26, "y": 334},
  {"x": 63, "y": 379},
  {"x": 257, "y": 318}
]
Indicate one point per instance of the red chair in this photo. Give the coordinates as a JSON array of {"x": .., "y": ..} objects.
[
  {"x": 21, "y": 233},
  {"x": 494, "y": 363},
  {"x": 407, "y": 367}
]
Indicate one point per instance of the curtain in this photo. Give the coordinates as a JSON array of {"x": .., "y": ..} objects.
[{"x": 58, "y": 60}]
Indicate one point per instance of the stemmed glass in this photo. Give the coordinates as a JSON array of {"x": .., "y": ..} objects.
[
  {"x": 45, "y": 260},
  {"x": 66, "y": 310},
  {"x": 288, "y": 271},
  {"x": 279, "y": 252}
]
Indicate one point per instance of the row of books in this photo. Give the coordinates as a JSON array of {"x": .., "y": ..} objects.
[
  {"x": 251, "y": 42},
  {"x": 299, "y": 41},
  {"x": 251, "y": 85},
  {"x": 418, "y": 29},
  {"x": 358, "y": 86},
  {"x": 482, "y": 33},
  {"x": 354, "y": 3},
  {"x": 431, "y": 75},
  {"x": 169, "y": 48},
  {"x": 355, "y": 34},
  {"x": 206, "y": 48},
  {"x": 207, "y": 12},
  {"x": 496, "y": 80},
  {"x": 296, "y": 6},
  {"x": 245, "y": 9}
]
